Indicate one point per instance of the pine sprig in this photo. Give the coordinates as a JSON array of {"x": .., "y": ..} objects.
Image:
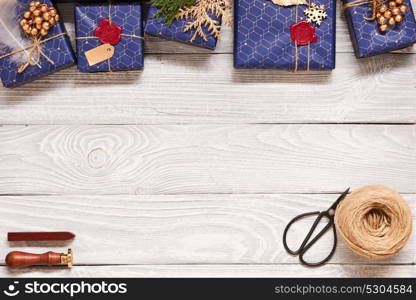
[{"x": 169, "y": 9}]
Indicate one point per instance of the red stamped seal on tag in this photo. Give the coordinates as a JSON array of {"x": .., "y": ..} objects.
[
  {"x": 109, "y": 33},
  {"x": 303, "y": 33}
]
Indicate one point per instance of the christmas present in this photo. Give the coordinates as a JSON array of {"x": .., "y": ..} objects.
[
  {"x": 380, "y": 26},
  {"x": 284, "y": 34},
  {"x": 33, "y": 41},
  {"x": 109, "y": 36},
  {"x": 198, "y": 24}
]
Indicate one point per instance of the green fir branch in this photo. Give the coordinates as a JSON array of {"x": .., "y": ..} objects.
[{"x": 169, "y": 9}]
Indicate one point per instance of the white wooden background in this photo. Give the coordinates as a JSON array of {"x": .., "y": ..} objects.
[{"x": 192, "y": 168}]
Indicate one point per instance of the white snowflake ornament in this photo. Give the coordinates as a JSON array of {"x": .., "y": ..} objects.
[{"x": 315, "y": 13}]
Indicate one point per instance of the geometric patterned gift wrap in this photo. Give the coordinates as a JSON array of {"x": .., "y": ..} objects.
[
  {"x": 262, "y": 37},
  {"x": 128, "y": 53},
  {"x": 58, "y": 50},
  {"x": 156, "y": 26},
  {"x": 366, "y": 38}
]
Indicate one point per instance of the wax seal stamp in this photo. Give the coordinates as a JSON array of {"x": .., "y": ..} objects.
[
  {"x": 18, "y": 259},
  {"x": 108, "y": 33},
  {"x": 303, "y": 33}
]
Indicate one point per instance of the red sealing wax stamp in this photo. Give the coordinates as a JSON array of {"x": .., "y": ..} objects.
[{"x": 303, "y": 33}]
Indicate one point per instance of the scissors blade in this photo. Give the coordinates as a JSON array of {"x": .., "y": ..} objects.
[{"x": 340, "y": 198}]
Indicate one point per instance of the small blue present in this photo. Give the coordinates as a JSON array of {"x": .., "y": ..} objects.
[
  {"x": 366, "y": 36},
  {"x": 109, "y": 28},
  {"x": 157, "y": 26},
  {"x": 25, "y": 57},
  {"x": 271, "y": 36}
]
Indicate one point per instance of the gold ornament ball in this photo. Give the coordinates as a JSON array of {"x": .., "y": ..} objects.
[
  {"x": 395, "y": 11},
  {"x": 26, "y": 27},
  {"x": 32, "y": 3},
  {"x": 392, "y": 22},
  {"x": 52, "y": 12},
  {"x": 57, "y": 18},
  {"x": 23, "y": 22},
  {"x": 38, "y": 20},
  {"x": 27, "y": 14},
  {"x": 38, "y": 26},
  {"x": 46, "y": 16},
  {"x": 383, "y": 28},
  {"x": 43, "y": 32},
  {"x": 36, "y": 12},
  {"x": 392, "y": 4},
  {"x": 403, "y": 9},
  {"x": 398, "y": 18},
  {"x": 44, "y": 8},
  {"x": 382, "y": 9},
  {"x": 37, "y": 3},
  {"x": 46, "y": 26},
  {"x": 382, "y": 20},
  {"x": 34, "y": 32},
  {"x": 32, "y": 8},
  {"x": 378, "y": 15},
  {"x": 52, "y": 21},
  {"x": 387, "y": 14},
  {"x": 399, "y": 2}
]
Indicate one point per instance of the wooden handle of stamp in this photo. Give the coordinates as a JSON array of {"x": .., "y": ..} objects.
[{"x": 18, "y": 259}]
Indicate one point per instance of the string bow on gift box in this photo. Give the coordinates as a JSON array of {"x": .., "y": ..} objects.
[
  {"x": 35, "y": 23},
  {"x": 387, "y": 16}
]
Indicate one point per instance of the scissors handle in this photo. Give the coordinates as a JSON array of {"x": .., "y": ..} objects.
[
  {"x": 294, "y": 220},
  {"x": 306, "y": 244}
]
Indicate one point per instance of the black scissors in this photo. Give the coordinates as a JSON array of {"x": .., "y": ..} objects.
[{"x": 306, "y": 244}]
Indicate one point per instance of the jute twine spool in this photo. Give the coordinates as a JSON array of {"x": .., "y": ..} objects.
[{"x": 374, "y": 221}]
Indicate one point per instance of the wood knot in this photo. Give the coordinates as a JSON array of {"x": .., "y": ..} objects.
[{"x": 97, "y": 158}]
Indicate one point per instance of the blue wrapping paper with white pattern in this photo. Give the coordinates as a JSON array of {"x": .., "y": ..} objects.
[
  {"x": 366, "y": 38},
  {"x": 128, "y": 53},
  {"x": 58, "y": 50},
  {"x": 156, "y": 26},
  {"x": 262, "y": 37}
]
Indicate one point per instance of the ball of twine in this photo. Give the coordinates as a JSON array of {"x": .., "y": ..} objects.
[{"x": 374, "y": 221}]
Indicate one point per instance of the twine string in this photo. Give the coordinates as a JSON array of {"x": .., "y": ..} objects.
[
  {"x": 374, "y": 221},
  {"x": 35, "y": 54},
  {"x": 110, "y": 19},
  {"x": 374, "y": 5},
  {"x": 297, "y": 47}
]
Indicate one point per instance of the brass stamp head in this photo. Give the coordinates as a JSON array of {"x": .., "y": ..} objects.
[{"x": 67, "y": 259}]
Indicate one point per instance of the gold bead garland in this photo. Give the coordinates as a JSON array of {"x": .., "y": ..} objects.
[
  {"x": 374, "y": 221},
  {"x": 388, "y": 16},
  {"x": 38, "y": 20}
]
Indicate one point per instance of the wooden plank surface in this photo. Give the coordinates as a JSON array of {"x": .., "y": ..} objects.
[
  {"x": 206, "y": 183},
  {"x": 177, "y": 89},
  {"x": 178, "y": 229},
  {"x": 247, "y": 271},
  {"x": 205, "y": 159}
]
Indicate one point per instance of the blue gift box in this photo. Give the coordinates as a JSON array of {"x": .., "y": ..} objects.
[
  {"x": 157, "y": 26},
  {"x": 57, "y": 49},
  {"x": 128, "y": 53},
  {"x": 262, "y": 37},
  {"x": 366, "y": 38}
]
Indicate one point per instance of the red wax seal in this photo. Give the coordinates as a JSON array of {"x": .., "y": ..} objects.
[
  {"x": 303, "y": 33},
  {"x": 108, "y": 33}
]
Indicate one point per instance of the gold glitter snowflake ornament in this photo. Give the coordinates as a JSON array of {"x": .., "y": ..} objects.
[{"x": 315, "y": 13}]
